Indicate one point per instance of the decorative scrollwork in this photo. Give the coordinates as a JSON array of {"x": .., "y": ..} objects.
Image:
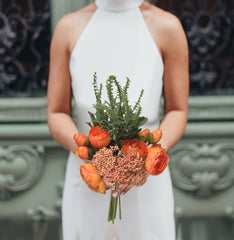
[
  {"x": 41, "y": 218},
  {"x": 20, "y": 169},
  {"x": 202, "y": 169},
  {"x": 42, "y": 214},
  {"x": 209, "y": 29},
  {"x": 24, "y": 46}
]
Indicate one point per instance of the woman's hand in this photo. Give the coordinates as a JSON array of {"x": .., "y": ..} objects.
[
  {"x": 109, "y": 185},
  {"x": 122, "y": 189}
]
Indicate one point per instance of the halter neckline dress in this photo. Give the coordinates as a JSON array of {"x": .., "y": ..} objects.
[{"x": 116, "y": 41}]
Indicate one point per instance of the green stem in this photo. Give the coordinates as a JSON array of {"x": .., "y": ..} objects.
[
  {"x": 110, "y": 208},
  {"x": 115, "y": 207},
  {"x": 120, "y": 217}
]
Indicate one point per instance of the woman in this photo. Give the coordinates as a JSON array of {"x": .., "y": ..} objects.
[{"x": 125, "y": 38}]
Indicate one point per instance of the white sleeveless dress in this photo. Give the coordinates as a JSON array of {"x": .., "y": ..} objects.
[{"x": 116, "y": 41}]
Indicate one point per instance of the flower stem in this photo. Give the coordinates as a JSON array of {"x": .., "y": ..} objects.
[
  {"x": 120, "y": 217},
  {"x": 110, "y": 208},
  {"x": 113, "y": 207}
]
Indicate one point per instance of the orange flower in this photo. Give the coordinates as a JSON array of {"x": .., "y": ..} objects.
[
  {"x": 136, "y": 144},
  {"x": 84, "y": 152},
  {"x": 143, "y": 135},
  {"x": 155, "y": 148},
  {"x": 155, "y": 136},
  {"x": 89, "y": 174},
  {"x": 99, "y": 137},
  {"x": 156, "y": 160},
  {"x": 81, "y": 139}
]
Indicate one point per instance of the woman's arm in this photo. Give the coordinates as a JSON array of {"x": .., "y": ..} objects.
[
  {"x": 59, "y": 112},
  {"x": 59, "y": 119},
  {"x": 176, "y": 83}
]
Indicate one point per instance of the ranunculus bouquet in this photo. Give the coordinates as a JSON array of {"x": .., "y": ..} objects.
[{"x": 117, "y": 150}]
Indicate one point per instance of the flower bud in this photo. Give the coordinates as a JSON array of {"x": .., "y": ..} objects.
[
  {"x": 155, "y": 136},
  {"x": 81, "y": 139},
  {"x": 99, "y": 137},
  {"x": 90, "y": 176},
  {"x": 84, "y": 152},
  {"x": 145, "y": 133}
]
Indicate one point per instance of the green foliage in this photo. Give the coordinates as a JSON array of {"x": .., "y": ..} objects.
[{"x": 116, "y": 115}]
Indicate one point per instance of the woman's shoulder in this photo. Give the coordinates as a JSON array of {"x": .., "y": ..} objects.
[
  {"x": 76, "y": 18},
  {"x": 70, "y": 26},
  {"x": 164, "y": 26},
  {"x": 161, "y": 20}
]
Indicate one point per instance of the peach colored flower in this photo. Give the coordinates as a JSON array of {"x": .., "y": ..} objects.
[
  {"x": 143, "y": 135},
  {"x": 99, "y": 137},
  {"x": 155, "y": 136},
  {"x": 139, "y": 146},
  {"x": 81, "y": 139},
  {"x": 89, "y": 174},
  {"x": 84, "y": 152},
  {"x": 156, "y": 160}
]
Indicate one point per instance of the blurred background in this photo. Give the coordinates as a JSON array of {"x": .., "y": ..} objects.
[{"x": 32, "y": 165}]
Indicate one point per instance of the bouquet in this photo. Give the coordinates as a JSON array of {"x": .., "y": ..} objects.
[{"x": 117, "y": 150}]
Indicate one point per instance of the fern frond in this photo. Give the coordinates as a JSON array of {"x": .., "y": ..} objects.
[
  {"x": 97, "y": 91},
  {"x": 109, "y": 88},
  {"x": 115, "y": 114},
  {"x": 137, "y": 104}
]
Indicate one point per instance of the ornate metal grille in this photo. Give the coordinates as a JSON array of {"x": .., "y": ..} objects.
[
  {"x": 24, "y": 46},
  {"x": 209, "y": 26}
]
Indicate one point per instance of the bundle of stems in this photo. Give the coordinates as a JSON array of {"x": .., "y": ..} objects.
[{"x": 113, "y": 206}]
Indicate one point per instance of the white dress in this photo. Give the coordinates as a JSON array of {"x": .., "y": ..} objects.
[{"x": 116, "y": 41}]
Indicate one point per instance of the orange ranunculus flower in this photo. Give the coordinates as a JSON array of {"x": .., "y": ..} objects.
[
  {"x": 99, "y": 137},
  {"x": 155, "y": 136},
  {"x": 155, "y": 148},
  {"x": 81, "y": 139},
  {"x": 95, "y": 182},
  {"x": 156, "y": 160},
  {"x": 139, "y": 146},
  {"x": 84, "y": 152},
  {"x": 143, "y": 135}
]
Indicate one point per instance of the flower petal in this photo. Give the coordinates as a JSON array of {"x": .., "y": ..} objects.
[{"x": 94, "y": 181}]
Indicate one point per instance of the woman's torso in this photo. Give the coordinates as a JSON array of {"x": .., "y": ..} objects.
[{"x": 116, "y": 43}]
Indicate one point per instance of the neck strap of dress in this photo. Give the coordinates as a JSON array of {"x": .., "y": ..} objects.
[{"x": 118, "y": 5}]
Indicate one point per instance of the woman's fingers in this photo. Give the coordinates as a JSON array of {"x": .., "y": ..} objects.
[
  {"x": 123, "y": 188},
  {"x": 127, "y": 188},
  {"x": 109, "y": 185}
]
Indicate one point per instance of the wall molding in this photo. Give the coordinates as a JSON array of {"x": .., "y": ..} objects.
[
  {"x": 20, "y": 169},
  {"x": 202, "y": 169},
  {"x": 23, "y": 110},
  {"x": 32, "y": 110}
]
